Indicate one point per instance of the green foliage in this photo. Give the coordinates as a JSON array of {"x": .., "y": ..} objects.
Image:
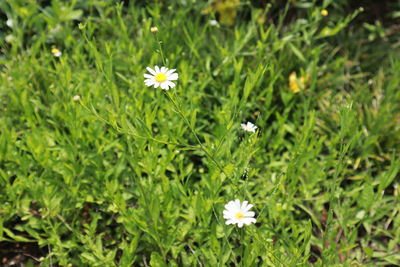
[{"x": 135, "y": 176}]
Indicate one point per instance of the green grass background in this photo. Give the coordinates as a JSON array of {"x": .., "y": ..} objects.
[{"x": 119, "y": 179}]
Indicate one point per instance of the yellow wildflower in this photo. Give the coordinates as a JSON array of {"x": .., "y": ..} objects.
[
  {"x": 226, "y": 10},
  {"x": 324, "y": 12},
  {"x": 295, "y": 84}
]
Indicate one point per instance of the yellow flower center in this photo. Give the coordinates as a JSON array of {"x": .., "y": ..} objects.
[
  {"x": 239, "y": 215},
  {"x": 161, "y": 77}
]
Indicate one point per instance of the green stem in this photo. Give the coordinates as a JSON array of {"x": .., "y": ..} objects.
[
  {"x": 226, "y": 237},
  {"x": 160, "y": 49},
  {"x": 202, "y": 147},
  {"x": 124, "y": 131},
  {"x": 241, "y": 246},
  {"x": 154, "y": 223}
]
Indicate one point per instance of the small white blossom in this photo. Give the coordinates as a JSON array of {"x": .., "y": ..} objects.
[
  {"x": 56, "y": 52},
  {"x": 249, "y": 127},
  {"x": 239, "y": 213},
  {"x": 161, "y": 77},
  {"x": 213, "y": 22},
  {"x": 77, "y": 98},
  {"x": 10, "y": 23},
  {"x": 10, "y": 38},
  {"x": 154, "y": 29}
]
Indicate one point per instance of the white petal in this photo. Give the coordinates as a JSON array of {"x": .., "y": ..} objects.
[
  {"x": 230, "y": 206},
  {"x": 149, "y": 82},
  {"x": 148, "y": 76},
  {"x": 157, "y": 69},
  {"x": 251, "y": 127},
  {"x": 151, "y": 70},
  {"x": 170, "y": 84},
  {"x": 164, "y": 86},
  {"x": 248, "y": 221},
  {"x": 227, "y": 216},
  {"x": 240, "y": 224},
  {"x": 156, "y": 84},
  {"x": 213, "y": 22},
  {"x": 10, "y": 23},
  {"x": 173, "y": 77},
  {"x": 248, "y": 207},
  {"x": 227, "y": 206},
  {"x": 237, "y": 204},
  {"x": 244, "y": 205},
  {"x": 230, "y": 222},
  {"x": 170, "y": 72},
  {"x": 164, "y": 69},
  {"x": 249, "y": 214},
  {"x": 227, "y": 212}
]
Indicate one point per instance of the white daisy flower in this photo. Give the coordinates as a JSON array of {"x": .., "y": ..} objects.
[
  {"x": 56, "y": 52},
  {"x": 161, "y": 77},
  {"x": 240, "y": 214},
  {"x": 249, "y": 127}
]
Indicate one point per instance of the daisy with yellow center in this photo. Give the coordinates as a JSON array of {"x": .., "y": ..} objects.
[
  {"x": 56, "y": 52},
  {"x": 161, "y": 77},
  {"x": 239, "y": 213}
]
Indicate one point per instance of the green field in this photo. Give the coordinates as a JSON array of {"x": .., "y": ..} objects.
[{"x": 99, "y": 169}]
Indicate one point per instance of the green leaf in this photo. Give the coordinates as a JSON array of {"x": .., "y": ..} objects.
[
  {"x": 16, "y": 237},
  {"x": 367, "y": 196},
  {"x": 73, "y": 15},
  {"x": 297, "y": 52},
  {"x": 156, "y": 260},
  {"x": 386, "y": 178}
]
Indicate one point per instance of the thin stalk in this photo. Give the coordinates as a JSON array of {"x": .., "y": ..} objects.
[
  {"x": 160, "y": 50},
  {"x": 202, "y": 147},
  {"x": 208, "y": 155},
  {"x": 153, "y": 223},
  {"x": 226, "y": 238},
  {"x": 123, "y": 131},
  {"x": 241, "y": 246}
]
